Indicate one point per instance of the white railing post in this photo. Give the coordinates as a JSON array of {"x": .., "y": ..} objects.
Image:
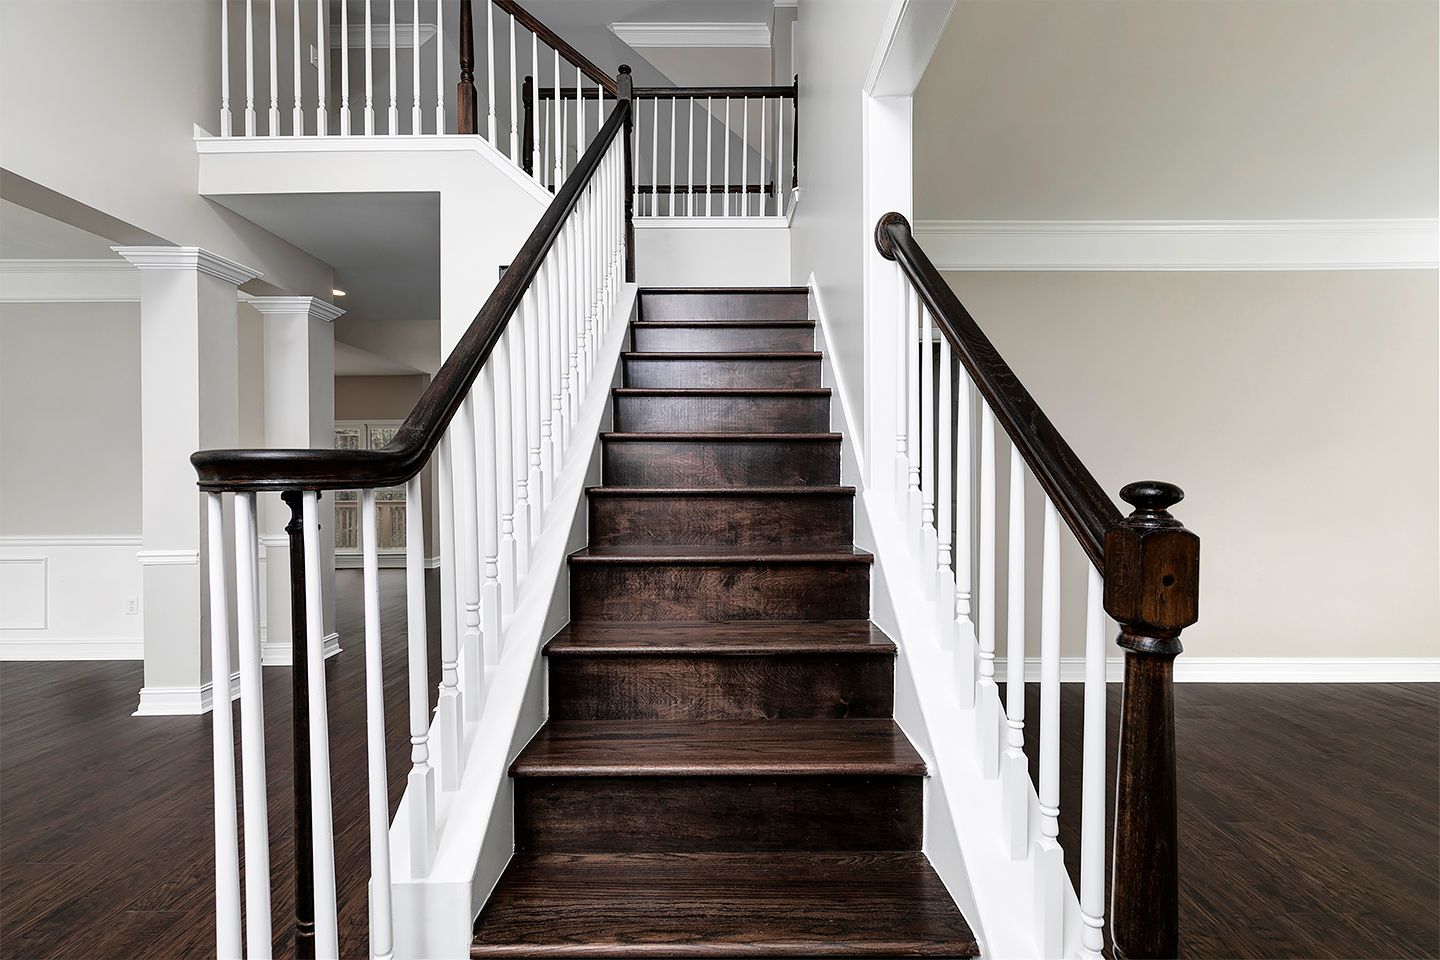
[
  {"x": 1050, "y": 864},
  {"x": 944, "y": 489},
  {"x": 1093, "y": 771},
  {"x": 369, "y": 73},
  {"x": 327, "y": 937},
  {"x": 322, "y": 78},
  {"x": 463, "y": 434},
  {"x": 514, "y": 112},
  {"x": 489, "y": 513},
  {"x": 345, "y": 68},
  {"x": 534, "y": 399},
  {"x": 273, "y": 117},
  {"x": 421, "y": 781},
  {"x": 297, "y": 114},
  {"x": 1014, "y": 771},
  {"x": 392, "y": 116},
  {"x": 987, "y": 700},
  {"x": 224, "y": 68},
  {"x": 439, "y": 66},
  {"x": 655, "y": 156},
  {"x": 249, "y": 68},
  {"x": 417, "y": 124},
  {"x": 744, "y": 198},
  {"x": 227, "y": 849},
  {"x": 926, "y": 531},
  {"x": 382, "y": 939},
  {"x": 252, "y": 732},
  {"x": 490, "y": 67},
  {"x": 503, "y": 453},
  {"x": 449, "y": 708},
  {"x": 903, "y": 386},
  {"x": 913, "y": 511},
  {"x": 965, "y": 654}
]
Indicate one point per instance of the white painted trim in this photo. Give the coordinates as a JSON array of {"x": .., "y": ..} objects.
[
  {"x": 1181, "y": 245},
  {"x": 68, "y": 540},
  {"x": 181, "y": 701},
  {"x": 380, "y": 35},
  {"x": 168, "y": 558},
  {"x": 103, "y": 649},
  {"x": 908, "y": 40},
  {"x": 68, "y": 281},
  {"x": 287, "y": 306},
  {"x": 711, "y": 223},
  {"x": 276, "y": 653},
  {"x": 188, "y": 258},
  {"x": 1265, "y": 669},
  {"x": 698, "y": 34}
]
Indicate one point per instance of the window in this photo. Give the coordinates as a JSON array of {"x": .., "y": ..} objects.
[{"x": 389, "y": 502}]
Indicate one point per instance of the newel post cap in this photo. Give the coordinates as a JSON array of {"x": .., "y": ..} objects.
[
  {"x": 1152, "y": 568},
  {"x": 883, "y": 243}
]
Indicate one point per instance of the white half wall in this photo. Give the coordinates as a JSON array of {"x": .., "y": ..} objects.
[
  {"x": 70, "y": 598},
  {"x": 733, "y": 252}
]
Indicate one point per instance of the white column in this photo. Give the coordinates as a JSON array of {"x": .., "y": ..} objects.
[
  {"x": 189, "y": 400},
  {"x": 299, "y": 412}
]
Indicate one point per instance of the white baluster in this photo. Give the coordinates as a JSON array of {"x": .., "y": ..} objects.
[
  {"x": 709, "y": 156},
  {"x": 392, "y": 117},
  {"x": 1014, "y": 771},
  {"x": 987, "y": 702},
  {"x": 273, "y": 129},
  {"x": 490, "y": 65},
  {"x": 503, "y": 452},
  {"x": 673, "y": 133},
  {"x": 534, "y": 397},
  {"x": 369, "y": 74},
  {"x": 439, "y": 66},
  {"x": 725, "y": 194},
  {"x": 579, "y": 115},
  {"x": 519, "y": 435},
  {"x": 327, "y": 937},
  {"x": 345, "y": 68},
  {"x": 760, "y": 174},
  {"x": 904, "y": 383},
  {"x": 913, "y": 511},
  {"x": 572, "y": 324},
  {"x": 537, "y": 170},
  {"x": 780, "y": 185},
  {"x": 944, "y": 465},
  {"x": 690, "y": 192},
  {"x": 449, "y": 710},
  {"x": 297, "y": 115},
  {"x": 224, "y": 68},
  {"x": 926, "y": 532},
  {"x": 489, "y": 513},
  {"x": 322, "y": 120},
  {"x": 227, "y": 849},
  {"x": 1092, "y": 788},
  {"x": 1050, "y": 859},
  {"x": 514, "y": 112},
  {"x": 556, "y": 108},
  {"x": 382, "y": 937},
  {"x": 249, "y": 69},
  {"x": 544, "y": 298},
  {"x": 655, "y": 157},
  {"x": 463, "y": 435},
  {"x": 555, "y": 354},
  {"x": 416, "y": 123},
  {"x": 635, "y": 152},
  {"x": 965, "y": 656},
  {"x": 744, "y": 200},
  {"x": 421, "y": 781},
  {"x": 252, "y": 731}
]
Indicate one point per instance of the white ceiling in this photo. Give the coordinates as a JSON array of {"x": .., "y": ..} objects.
[{"x": 27, "y": 235}]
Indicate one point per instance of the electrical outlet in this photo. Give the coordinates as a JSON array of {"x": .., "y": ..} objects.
[{"x": 132, "y": 606}]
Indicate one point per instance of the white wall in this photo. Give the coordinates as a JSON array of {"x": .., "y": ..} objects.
[{"x": 714, "y": 255}]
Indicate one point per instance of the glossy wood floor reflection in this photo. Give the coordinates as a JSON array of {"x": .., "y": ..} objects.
[{"x": 1308, "y": 813}]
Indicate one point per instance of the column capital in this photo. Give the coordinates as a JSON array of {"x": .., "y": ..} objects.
[
  {"x": 188, "y": 258},
  {"x": 299, "y": 306}
]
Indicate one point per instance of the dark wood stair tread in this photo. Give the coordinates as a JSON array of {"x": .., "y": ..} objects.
[
  {"x": 722, "y": 905},
  {"x": 833, "y": 490},
  {"x": 761, "y": 322},
  {"x": 706, "y": 553},
  {"x": 722, "y": 437},
  {"x": 735, "y": 638},
  {"x": 721, "y": 391},
  {"x": 728, "y": 355},
  {"x": 679, "y": 748}
]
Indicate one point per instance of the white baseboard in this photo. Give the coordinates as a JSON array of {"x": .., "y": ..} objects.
[
  {"x": 103, "y": 649},
  {"x": 1259, "y": 669},
  {"x": 276, "y": 653},
  {"x": 181, "y": 701}
]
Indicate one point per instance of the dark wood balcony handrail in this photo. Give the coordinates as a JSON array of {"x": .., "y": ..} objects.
[
  {"x": 415, "y": 441},
  {"x": 1084, "y": 504},
  {"x": 576, "y": 58},
  {"x": 567, "y": 92}
]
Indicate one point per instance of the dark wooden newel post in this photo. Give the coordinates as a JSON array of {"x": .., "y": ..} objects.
[
  {"x": 1152, "y": 586},
  {"x": 465, "y": 108},
  {"x": 625, "y": 90},
  {"x": 300, "y": 731},
  {"x": 527, "y": 129}
]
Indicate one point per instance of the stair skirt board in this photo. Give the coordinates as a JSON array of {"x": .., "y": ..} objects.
[{"x": 720, "y": 772}]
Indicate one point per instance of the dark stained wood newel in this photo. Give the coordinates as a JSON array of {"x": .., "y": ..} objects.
[
  {"x": 527, "y": 129},
  {"x": 465, "y": 106},
  {"x": 795, "y": 140},
  {"x": 300, "y": 731},
  {"x": 1152, "y": 579},
  {"x": 625, "y": 90}
]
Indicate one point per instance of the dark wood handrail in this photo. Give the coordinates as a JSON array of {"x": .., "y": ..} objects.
[
  {"x": 576, "y": 58},
  {"x": 1087, "y": 509},
  {"x": 415, "y": 441},
  {"x": 684, "y": 93}
]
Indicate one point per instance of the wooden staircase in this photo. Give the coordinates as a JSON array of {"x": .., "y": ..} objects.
[{"x": 720, "y": 774}]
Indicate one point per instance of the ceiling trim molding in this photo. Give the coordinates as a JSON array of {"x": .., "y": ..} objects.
[
  {"x": 1371, "y": 244},
  {"x": 68, "y": 281},
  {"x": 188, "y": 258},
  {"x": 380, "y": 35},
  {"x": 297, "y": 306},
  {"x": 706, "y": 34}
]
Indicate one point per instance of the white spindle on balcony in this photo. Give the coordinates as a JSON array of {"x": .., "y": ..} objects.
[
  {"x": 369, "y": 73},
  {"x": 297, "y": 113},
  {"x": 392, "y": 116},
  {"x": 416, "y": 123},
  {"x": 490, "y": 67},
  {"x": 344, "y": 68},
  {"x": 273, "y": 118},
  {"x": 322, "y": 120}
]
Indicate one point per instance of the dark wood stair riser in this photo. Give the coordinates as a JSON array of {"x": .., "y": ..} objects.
[
  {"x": 720, "y": 413},
  {"x": 721, "y": 304},
  {"x": 703, "y": 337},
  {"x": 804, "y": 519},
  {"x": 717, "y": 814},
  {"x": 702, "y": 462},
  {"x": 761, "y": 370},
  {"x": 719, "y": 591},
  {"x": 702, "y": 688}
]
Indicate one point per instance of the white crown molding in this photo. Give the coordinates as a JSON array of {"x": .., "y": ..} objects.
[
  {"x": 168, "y": 558},
  {"x": 188, "y": 258},
  {"x": 1180, "y": 245},
  {"x": 181, "y": 701},
  {"x": 306, "y": 306},
  {"x": 1266, "y": 669},
  {"x": 68, "y": 281},
  {"x": 380, "y": 35},
  {"x": 707, "y": 34},
  {"x": 47, "y": 650}
]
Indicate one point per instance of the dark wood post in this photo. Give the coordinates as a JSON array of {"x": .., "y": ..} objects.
[
  {"x": 465, "y": 107},
  {"x": 300, "y": 732},
  {"x": 527, "y": 129},
  {"x": 795, "y": 140},
  {"x": 626, "y": 91},
  {"x": 1152, "y": 586}
]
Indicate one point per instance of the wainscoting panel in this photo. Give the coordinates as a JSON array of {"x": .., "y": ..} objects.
[{"x": 70, "y": 598}]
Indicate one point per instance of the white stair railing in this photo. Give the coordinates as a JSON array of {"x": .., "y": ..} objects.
[
  {"x": 556, "y": 299},
  {"x": 1142, "y": 570}
]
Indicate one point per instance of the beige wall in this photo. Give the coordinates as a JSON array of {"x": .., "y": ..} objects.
[
  {"x": 70, "y": 419},
  {"x": 1182, "y": 109},
  {"x": 389, "y": 398},
  {"x": 1297, "y": 410}
]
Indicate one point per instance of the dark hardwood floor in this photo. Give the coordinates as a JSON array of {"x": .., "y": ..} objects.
[{"x": 1308, "y": 813}]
